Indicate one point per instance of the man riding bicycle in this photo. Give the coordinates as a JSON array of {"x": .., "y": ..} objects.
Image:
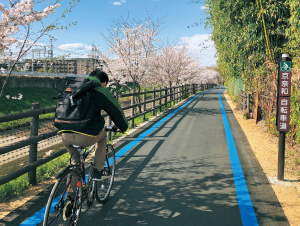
[{"x": 95, "y": 133}]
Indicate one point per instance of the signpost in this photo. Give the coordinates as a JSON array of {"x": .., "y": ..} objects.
[{"x": 283, "y": 109}]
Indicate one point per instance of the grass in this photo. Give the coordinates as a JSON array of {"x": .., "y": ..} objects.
[
  {"x": 289, "y": 153},
  {"x": 30, "y": 95},
  {"x": 44, "y": 97},
  {"x": 45, "y": 172},
  {"x": 11, "y": 106},
  {"x": 297, "y": 162}
]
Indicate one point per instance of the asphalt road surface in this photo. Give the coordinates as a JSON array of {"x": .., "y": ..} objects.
[{"x": 186, "y": 171}]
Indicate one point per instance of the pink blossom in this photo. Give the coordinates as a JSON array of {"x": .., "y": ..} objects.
[{"x": 16, "y": 15}]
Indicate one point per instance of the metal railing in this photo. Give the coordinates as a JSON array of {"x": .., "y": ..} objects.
[{"x": 160, "y": 97}]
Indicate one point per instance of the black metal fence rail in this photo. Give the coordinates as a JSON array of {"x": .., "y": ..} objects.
[{"x": 160, "y": 96}]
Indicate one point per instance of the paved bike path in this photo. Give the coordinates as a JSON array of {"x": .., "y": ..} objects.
[{"x": 181, "y": 174}]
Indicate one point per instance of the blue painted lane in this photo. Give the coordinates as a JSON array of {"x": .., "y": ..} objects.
[{"x": 244, "y": 200}]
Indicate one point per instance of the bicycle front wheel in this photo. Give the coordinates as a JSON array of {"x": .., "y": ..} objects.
[
  {"x": 59, "y": 210},
  {"x": 104, "y": 186}
]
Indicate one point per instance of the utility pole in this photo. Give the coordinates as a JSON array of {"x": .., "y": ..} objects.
[
  {"x": 32, "y": 57},
  {"x": 50, "y": 55},
  {"x": 51, "y": 49},
  {"x": 44, "y": 63}
]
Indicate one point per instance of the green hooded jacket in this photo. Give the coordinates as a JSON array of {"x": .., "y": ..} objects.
[{"x": 104, "y": 100}]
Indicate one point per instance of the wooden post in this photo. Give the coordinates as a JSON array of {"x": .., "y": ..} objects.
[
  {"x": 187, "y": 91},
  {"x": 153, "y": 102},
  {"x": 243, "y": 100},
  {"x": 132, "y": 109},
  {"x": 166, "y": 93},
  {"x": 159, "y": 99},
  {"x": 144, "y": 105},
  {"x": 181, "y": 93},
  {"x": 248, "y": 105},
  {"x": 173, "y": 95},
  {"x": 292, "y": 134},
  {"x": 257, "y": 100},
  {"x": 34, "y": 130},
  {"x": 117, "y": 98}
]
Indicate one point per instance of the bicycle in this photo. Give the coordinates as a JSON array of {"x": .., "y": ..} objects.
[{"x": 62, "y": 211}]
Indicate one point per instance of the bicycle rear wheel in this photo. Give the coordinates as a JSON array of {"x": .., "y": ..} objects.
[
  {"x": 104, "y": 186},
  {"x": 59, "y": 209}
]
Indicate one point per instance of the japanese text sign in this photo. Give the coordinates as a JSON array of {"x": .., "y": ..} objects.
[
  {"x": 284, "y": 84},
  {"x": 283, "y": 114},
  {"x": 284, "y": 93}
]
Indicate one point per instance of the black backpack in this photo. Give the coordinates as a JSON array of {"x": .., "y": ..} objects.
[{"x": 74, "y": 109}]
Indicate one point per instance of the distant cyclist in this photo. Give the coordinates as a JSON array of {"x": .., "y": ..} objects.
[{"x": 95, "y": 133}]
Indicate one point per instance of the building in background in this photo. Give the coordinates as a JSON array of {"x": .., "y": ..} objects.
[
  {"x": 42, "y": 59},
  {"x": 78, "y": 66}
]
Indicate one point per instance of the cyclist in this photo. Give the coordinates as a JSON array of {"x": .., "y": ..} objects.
[{"x": 95, "y": 132}]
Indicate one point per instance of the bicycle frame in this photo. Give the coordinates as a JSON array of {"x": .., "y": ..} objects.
[
  {"x": 80, "y": 166},
  {"x": 86, "y": 189}
]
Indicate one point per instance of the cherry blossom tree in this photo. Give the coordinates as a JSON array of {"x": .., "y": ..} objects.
[
  {"x": 17, "y": 19},
  {"x": 131, "y": 49},
  {"x": 191, "y": 71},
  {"x": 174, "y": 64},
  {"x": 206, "y": 75}
]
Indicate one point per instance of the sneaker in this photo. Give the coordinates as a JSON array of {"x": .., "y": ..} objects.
[
  {"x": 106, "y": 172},
  {"x": 97, "y": 174}
]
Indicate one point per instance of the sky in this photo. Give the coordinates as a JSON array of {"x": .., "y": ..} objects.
[{"x": 95, "y": 16}]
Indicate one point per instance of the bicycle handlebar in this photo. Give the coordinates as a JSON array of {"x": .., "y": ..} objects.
[{"x": 112, "y": 128}]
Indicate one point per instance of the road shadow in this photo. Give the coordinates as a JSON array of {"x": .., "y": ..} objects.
[
  {"x": 171, "y": 191},
  {"x": 152, "y": 190}
]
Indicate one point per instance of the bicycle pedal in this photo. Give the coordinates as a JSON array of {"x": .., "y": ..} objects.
[{"x": 104, "y": 177}]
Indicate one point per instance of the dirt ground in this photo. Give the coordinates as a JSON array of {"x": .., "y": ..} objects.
[{"x": 267, "y": 154}]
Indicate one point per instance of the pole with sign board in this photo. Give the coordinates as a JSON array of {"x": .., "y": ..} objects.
[{"x": 283, "y": 109}]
